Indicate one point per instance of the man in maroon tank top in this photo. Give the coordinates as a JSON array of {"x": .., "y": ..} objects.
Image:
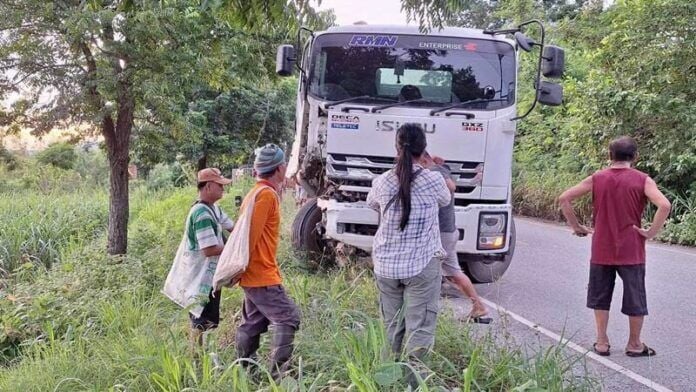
[{"x": 619, "y": 196}]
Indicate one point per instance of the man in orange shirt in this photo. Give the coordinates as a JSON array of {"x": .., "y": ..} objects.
[{"x": 265, "y": 300}]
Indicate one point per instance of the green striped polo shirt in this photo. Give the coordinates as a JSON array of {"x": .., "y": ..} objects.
[{"x": 203, "y": 230}]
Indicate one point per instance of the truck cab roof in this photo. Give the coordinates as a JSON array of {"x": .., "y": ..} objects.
[{"x": 413, "y": 30}]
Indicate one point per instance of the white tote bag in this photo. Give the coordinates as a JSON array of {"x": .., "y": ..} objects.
[
  {"x": 191, "y": 277},
  {"x": 235, "y": 257}
]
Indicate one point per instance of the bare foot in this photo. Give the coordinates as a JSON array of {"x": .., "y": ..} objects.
[
  {"x": 478, "y": 311},
  {"x": 601, "y": 348}
]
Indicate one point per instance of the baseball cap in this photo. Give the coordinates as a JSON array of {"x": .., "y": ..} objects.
[{"x": 212, "y": 174}]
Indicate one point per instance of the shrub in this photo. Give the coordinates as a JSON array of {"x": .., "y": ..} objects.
[
  {"x": 8, "y": 159},
  {"x": 681, "y": 227},
  {"x": 93, "y": 167},
  {"x": 535, "y": 193},
  {"x": 47, "y": 179},
  {"x": 161, "y": 176},
  {"x": 60, "y": 155}
]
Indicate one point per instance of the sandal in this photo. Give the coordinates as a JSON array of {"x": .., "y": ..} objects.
[
  {"x": 482, "y": 319},
  {"x": 602, "y": 353},
  {"x": 647, "y": 352}
]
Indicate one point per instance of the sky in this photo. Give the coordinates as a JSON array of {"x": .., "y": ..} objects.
[
  {"x": 374, "y": 11},
  {"x": 370, "y": 11}
]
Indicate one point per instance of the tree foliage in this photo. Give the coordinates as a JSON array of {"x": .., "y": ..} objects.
[
  {"x": 630, "y": 72},
  {"x": 108, "y": 64},
  {"x": 222, "y": 128}
]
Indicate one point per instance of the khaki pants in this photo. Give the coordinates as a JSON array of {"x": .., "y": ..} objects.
[{"x": 409, "y": 309}]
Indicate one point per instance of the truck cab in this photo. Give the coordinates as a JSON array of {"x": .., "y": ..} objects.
[{"x": 358, "y": 84}]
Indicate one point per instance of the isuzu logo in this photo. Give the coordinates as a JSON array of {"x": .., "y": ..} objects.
[{"x": 391, "y": 126}]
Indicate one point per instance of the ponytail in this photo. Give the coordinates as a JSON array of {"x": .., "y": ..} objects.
[{"x": 410, "y": 144}]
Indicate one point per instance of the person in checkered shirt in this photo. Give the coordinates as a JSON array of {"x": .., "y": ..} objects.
[{"x": 406, "y": 250}]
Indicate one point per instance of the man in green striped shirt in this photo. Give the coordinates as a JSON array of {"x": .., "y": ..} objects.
[{"x": 204, "y": 233}]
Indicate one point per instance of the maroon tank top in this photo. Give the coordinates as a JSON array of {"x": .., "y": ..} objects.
[{"x": 618, "y": 202}]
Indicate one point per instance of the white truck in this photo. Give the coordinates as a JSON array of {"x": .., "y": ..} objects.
[{"x": 359, "y": 83}]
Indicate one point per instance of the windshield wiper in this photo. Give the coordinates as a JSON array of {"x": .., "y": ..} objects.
[
  {"x": 389, "y": 105},
  {"x": 465, "y": 103},
  {"x": 329, "y": 105}
]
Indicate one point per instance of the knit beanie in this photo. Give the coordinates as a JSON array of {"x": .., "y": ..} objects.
[{"x": 268, "y": 158}]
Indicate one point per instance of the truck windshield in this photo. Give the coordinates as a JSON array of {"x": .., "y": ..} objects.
[{"x": 430, "y": 71}]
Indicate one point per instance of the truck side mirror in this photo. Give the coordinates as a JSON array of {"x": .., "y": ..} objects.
[
  {"x": 553, "y": 63},
  {"x": 488, "y": 92},
  {"x": 285, "y": 60},
  {"x": 524, "y": 42},
  {"x": 550, "y": 94}
]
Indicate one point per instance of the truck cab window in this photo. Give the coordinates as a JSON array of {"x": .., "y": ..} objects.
[{"x": 443, "y": 70}]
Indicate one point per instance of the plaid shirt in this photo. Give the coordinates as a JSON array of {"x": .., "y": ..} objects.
[{"x": 403, "y": 254}]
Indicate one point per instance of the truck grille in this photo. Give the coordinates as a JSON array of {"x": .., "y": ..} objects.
[{"x": 354, "y": 174}]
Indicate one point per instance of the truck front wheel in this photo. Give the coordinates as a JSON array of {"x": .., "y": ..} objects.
[
  {"x": 482, "y": 270},
  {"x": 306, "y": 236}
]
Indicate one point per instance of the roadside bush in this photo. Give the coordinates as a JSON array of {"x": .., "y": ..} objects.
[
  {"x": 93, "y": 167},
  {"x": 7, "y": 158},
  {"x": 681, "y": 227},
  {"x": 47, "y": 179},
  {"x": 66, "y": 297},
  {"x": 163, "y": 176},
  {"x": 536, "y": 194},
  {"x": 29, "y": 175},
  {"x": 60, "y": 155}
]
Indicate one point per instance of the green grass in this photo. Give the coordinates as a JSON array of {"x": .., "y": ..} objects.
[
  {"x": 681, "y": 226},
  {"x": 39, "y": 230},
  {"x": 97, "y": 323},
  {"x": 535, "y": 194},
  {"x": 36, "y": 229}
]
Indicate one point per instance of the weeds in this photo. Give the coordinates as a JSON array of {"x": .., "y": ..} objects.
[
  {"x": 96, "y": 323},
  {"x": 36, "y": 228}
]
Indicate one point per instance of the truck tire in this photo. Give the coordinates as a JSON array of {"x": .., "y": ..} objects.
[
  {"x": 481, "y": 270},
  {"x": 305, "y": 236}
]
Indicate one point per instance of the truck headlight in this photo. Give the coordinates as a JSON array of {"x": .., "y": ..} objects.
[{"x": 492, "y": 230}]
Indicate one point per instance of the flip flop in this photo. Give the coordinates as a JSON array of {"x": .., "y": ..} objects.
[
  {"x": 479, "y": 320},
  {"x": 647, "y": 352},
  {"x": 602, "y": 353}
]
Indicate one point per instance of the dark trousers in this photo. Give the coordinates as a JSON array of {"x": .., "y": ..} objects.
[{"x": 264, "y": 307}]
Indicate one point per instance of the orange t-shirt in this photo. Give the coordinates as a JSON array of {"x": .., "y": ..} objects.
[{"x": 264, "y": 235}]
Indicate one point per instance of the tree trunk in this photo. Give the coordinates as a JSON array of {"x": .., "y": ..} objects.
[
  {"x": 118, "y": 199},
  {"x": 117, "y": 138},
  {"x": 203, "y": 162}
]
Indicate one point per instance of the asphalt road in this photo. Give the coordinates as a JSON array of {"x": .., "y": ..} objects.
[{"x": 543, "y": 294}]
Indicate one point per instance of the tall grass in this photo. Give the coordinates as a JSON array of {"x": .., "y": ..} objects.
[
  {"x": 115, "y": 332},
  {"x": 36, "y": 229},
  {"x": 536, "y": 194},
  {"x": 681, "y": 226}
]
